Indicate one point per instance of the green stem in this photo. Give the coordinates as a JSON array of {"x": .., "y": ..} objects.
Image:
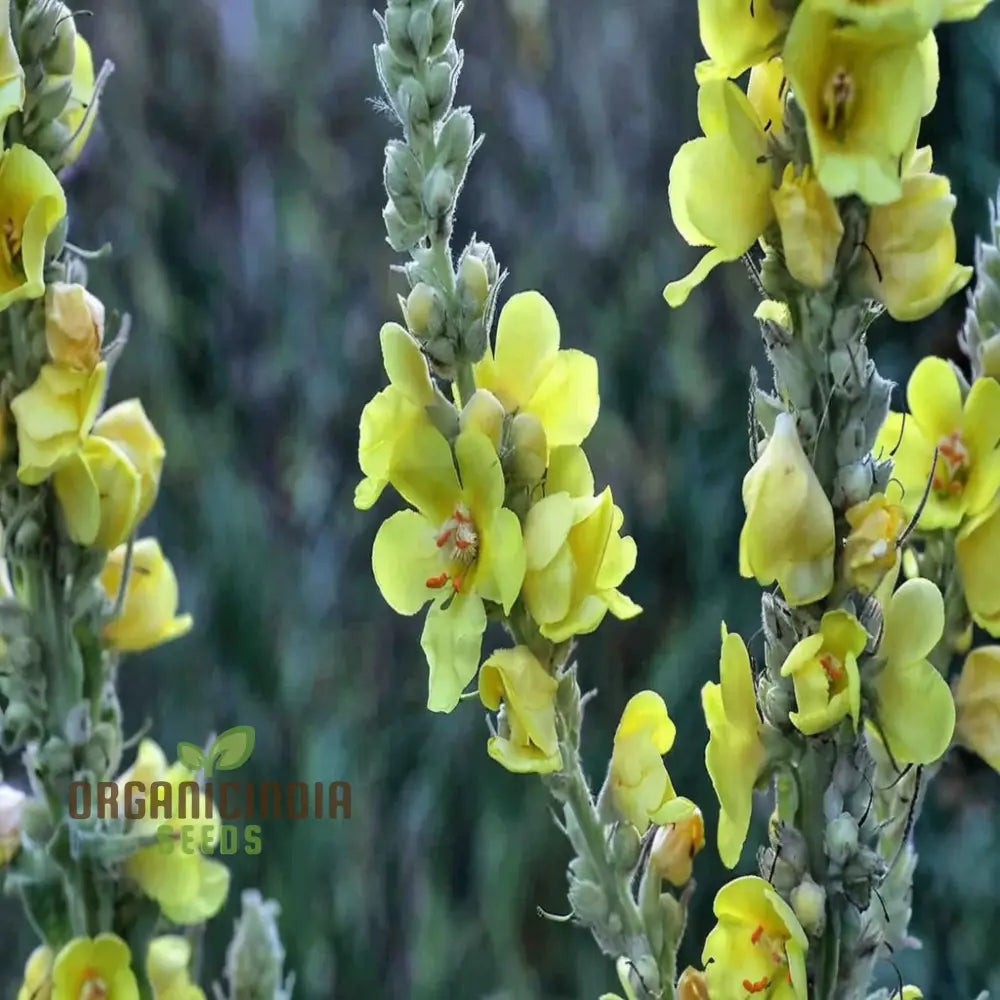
[{"x": 465, "y": 381}]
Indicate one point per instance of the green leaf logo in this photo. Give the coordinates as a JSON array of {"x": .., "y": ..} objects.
[
  {"x": 190, "y": 756},
  {"x": 230, "y": 750}
]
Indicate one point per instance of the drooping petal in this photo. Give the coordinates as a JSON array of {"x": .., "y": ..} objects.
[
  {"x": 566, "y": 401},
  {"x": 916, "y": 711},
  {"x": 914, "y": 622},
  {"x": 934, "y": 398},
  {"x": 405, "y": 365},
  {"x": 451, "y": 641},
  {"x": 501, "y": 565}
]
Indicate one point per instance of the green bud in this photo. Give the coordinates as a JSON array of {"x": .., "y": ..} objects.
[
  {"x": 624, "y": 847},
  {"x": 483, "y": 412},
  {"x": 443, "y": 18},
  {"x": 391, "y": 70},
  {"x": 413, "y": 104},
  {"x": 474, "y": 341},
  {"x": 841, "y": 838},
  {"x": 473, "y": 285},
  {"x": 402, "y": 173},
  {"x": 989, "y": 356},
  {"x": 401, "y": 235},
  {"x": 51, "y": 140},
  {"x": 442, "y": 79},
  {"x": 855, "y": 483},
  {"x": 440, "y": 352},
  {"x": 421, "y": 31},
  {"x": 56, "y": 757},
  {"x": 454, "y": 144},
  {"x": 28, "y": 536},
  {"x": 38, "y": 27},
  {"x": 529, "y": 449},
  {"x": 77, "y": 725},
  {"x": 255, "y": 957},
  {"x": 36, "y": 821},
  {"x": 48, "y": 101},
  {"x": 809, "y": 903},
  {"x": 103, "y": 753},
  {"x": 777, "y": 701},
  {"x": 588, "y": 902},
  {"x": 397, "y": 22},
  {"x": 782, "y": 875},
  {"x": 424, "y": 311},
  {"x": 23, "y": 653},
  {"x": 484, "y": 252},
  {"x": 19, "y": 726},
  {"x": 438, "y": 192},
  {"x": 59, "y": 58}
]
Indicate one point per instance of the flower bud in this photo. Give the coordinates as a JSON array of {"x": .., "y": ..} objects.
[
  {"x": 777, "y": 703},
  {"x": 390, "y": 69},
  {"x": 441, "y": 81},
  {"x": 989, "y": 356},
  {"x": 421, "y": 31},
  {"x": 841, "y": 838},
  {"x": 402, "y": 176},
  {"x": 443, "y": 19},
  {"x": 624, "y": 846},
  {"x": 402, "y": 236},
  {"x": 38, "y": 27},
  {"x": 588, "y": 902},
  {"x": 484, "y": 252},
  {"x": 36, "y": 821},
  {"x": 50, "y": 99},
  {"x": 397, "y": 23},
  {"x": 473, "y": 341},
  {"x": 424, "y": 311},
  {"x": 809, "y": 903},
  {"x": 473, "y": 285},
  {"x": 51, "y": 139},
  {"x": 691, "y": 985},
  {"x": 438, "y": 192},
  {"x": 413, "y": 103},
  {"x": 454, "y": 144},
  {"x": 529, "y": 448},
  {"x": 74, "y": 326},
  {"x": 60, "y": 57},
  {"x": 483, "y": 412},
  {"x": 11, "y": 804},
  {"x": 675, "y": 846},
  {"x": 19, "y": 726}
]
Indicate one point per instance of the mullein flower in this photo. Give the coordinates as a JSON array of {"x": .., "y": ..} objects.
[
  {"x": 98, "y": 967},
  {"x": 459, "y": 548},
  {"x": 32, "y": 204},
  {"x": 757, "y": 946},
  {"x": 966, "y": 476},
  {"x": 189, "y": 887},
  {"x": 528, "y": 740},
  {"x": 863, "y": 95},
  {"x": 811, "y": 228},
  {"x": 127, "y": 426},
  {"x": 638, "y": 784},
  {"x": 903, "y": 20},
  {"x": 674, "y": 848},
  {"x": 37, "y": 983},
  {"x": 977, "y": 703},
  {"x": 737, "y": 35},
  {"x": 910, "y": 245},
  {"x": 11, "y": 805},
  {"x": 735, "y": 754},
  {"x": 767, "y": 89},
  {"x": 529, "y": 374},
  {"x": 79, "y": 116},
  {"x": 54, "y": 415},
  {"x": 149, "y": 611},
  {"x": 12, "y": 90},
  {"x": 576, "y": 556},
  {"x": 788, "y": 535},
  {"x": 978, "y": 550},
  {"x": 392, "y": 413},
  {"x": 720, "y": 184},
  {"x": 872, "y": 556},
  {"x": 167, "y": 962},
  {"x": 824, "y": 670},
  {"x": 74, "y": 326},
  {"x": 915, "y": 710}
]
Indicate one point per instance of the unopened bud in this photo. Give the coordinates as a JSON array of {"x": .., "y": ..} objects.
[
  {"x": 473, "y": 341},
  {"x": 841, "y": 838},
  {"x": 402, "y": 172},
  {"x": 989, "y": 356},
  {"x": 60, "y": 57},
  {"x": 391, "y": 70},
  {"x": 442, "y": 78},
  {"x": 625, "y": 846},
  {"x": 11, "y": 805},
  {"x": 421, "y": 31},
  {"x": 49, "y": 101},
  {"x": 473, "y": 285},
  {"x": 255, "y": 958},
  {"x": 692, "y": 985},
  {"x": 36, "y": 821},
  {"x": 483, "y": 412},
  {"x": 74, "y": 326},
  {"x": 424, "y": 311},
  {"x": 777, "y": 703},
  {"x": 438, "y": 192},
  {"x": 675, "y": 846},
  {"x": 397, "y": 22},
  {"x": 38, "y": 27},
  {"x": 443, "y": 18},
  {"x": 56, "y": 757},
  {"x": 588, "y": 902},
  {"x": 19, "y": 726},
  {"x": 484, "y": 252},
  {"x": 441, "y": 353},
  {"x": 402, "y": 236},
  {"x": 413, "y": 103},
  {"x": 454, "y": 144},
  {"x": 809, "y": 903},
  {"x": 51, "y": 140},
  {"x": 529, "y": 448}
]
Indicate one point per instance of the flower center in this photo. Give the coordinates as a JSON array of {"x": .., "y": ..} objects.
[
  {"x": 93, "y": 986},
  {"x": 833, "y": 667},
  {"x": 11, "y": 241},
  {"x": 838, "y": 100},
  {"x": 774, "y": 948},
  {"x": 458, "y": 541},
  {"x": 951, "y": 472}
]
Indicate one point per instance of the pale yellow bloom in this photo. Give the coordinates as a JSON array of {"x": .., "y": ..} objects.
[
  {"x": 674, "y": 848},
  {"x": 127, "y": 426},
  {"x": 12, "y": 90},
  {"x": 167, "y": 962},
  {"x": 977, "y": 702},
  {"x": 37, "y": 983},
  {"x": 978, "y": 551},
  {"x": 74, "y": 326},
  {"x": 99, "y": 967},
  {"x": 738, "y": 35},
  {"x": 811, "y": 229},
  {"x": 871, "y": 553}
]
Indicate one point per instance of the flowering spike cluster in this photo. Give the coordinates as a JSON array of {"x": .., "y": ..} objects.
[
  {"x": 980, "y": 336},
  {"x": 78, "y": 588}
]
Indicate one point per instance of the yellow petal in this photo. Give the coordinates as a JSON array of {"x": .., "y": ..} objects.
[
  {"x": 548, "y": 591},
  {"x": 501, "y": 563},
  {"x": 404, "y": 557},
  {"x": 406, "y": 365},
  {"x": 916, "y": 711},
  {"x": 647, "y": 712},
  {"x": 451, "y": 641},
  {"x": 527, "y": 340},
  {"x": 934, "y": 398},
  {"x": 546, "y": 528},
  {"x": 914, "y": 621},
  {"x": 424, "y": 473},
  {"x": 78, "y": 497},
  {"x": 386, "y": 419},
  {"x": 766, "y": 91},
  {"x": 566, "y": 401},
  {"x": 977, "y": 701},
  {"x": 736, "y": 35},
  {"x": 569, "y": 472},
  {"x": 480, "y": 474}
]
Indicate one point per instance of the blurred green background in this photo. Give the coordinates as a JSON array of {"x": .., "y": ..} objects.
[{"x": 236, "y": 170}]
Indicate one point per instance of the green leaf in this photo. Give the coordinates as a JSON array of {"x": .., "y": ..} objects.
[
  {"x": 232, "y": 748},
  {"x": 191, "y": 756}
]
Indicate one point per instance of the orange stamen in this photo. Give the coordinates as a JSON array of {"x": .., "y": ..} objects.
[
  {"x": 955, "y": 488},
  {"x": 461, "y": 543},
  {"x": 461, "y": 518},
  {"x": 834, "y": 673},
  {"x": 442, "y": 539},
  {"x": 757, "y": 934},
  {"x": 756, "y": 987},
  {"x": 456, "y": 584},
  {"x": 436, "y": 582}
]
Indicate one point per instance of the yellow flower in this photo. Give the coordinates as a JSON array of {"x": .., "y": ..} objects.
[
  {"x": 528, "y": 372},
  {"x": 903, "y": 20},
  {"x": 79, "y": 116},
  {"x": 127, "y": 427},
  {"x": 189, "y": 887},
  {"x": 167, "y": 964},
  {"x": 674, "y": 848},
  {"x": 37, "y": 983},
  {"x": 149, "y": 612},
  {"x": 640, "y": 788},
  {"x": 871, "y": 554},
  {"x": 54, "y": 416},
  {"x": 393, "y": 412},
  {"x": 734, "y": 755},
  {"x": 12, "y": 92},
  {"x": 576, "y": 555},
  {"x": 910, "y": 257},
  {"x": 459, "y": 548},
  {"x": 811, "y": 229},
  {"x": 11, "y": 805},
  {"x": 757, "y": 946},
  {"x": 788, "y": 535},
  {"x": 737, "y": 35},
  {"x": 528, "y": 741},
  {"x": 863, "y": 95},
  {"x": 94, "y": 967},
  {"x": 720, "y": 184},
  {"x": 767, "y": 89},
  {"x": 966, "y": 476},
  {"x": 915, "y": 710},
  {"x": 98, "y": 490},
  {"x": 978, "y": 551},
  {"x": 824, "y": 670},
  {"x": 74, "y": 326},
  {"x": 32, "y": 204},
  {"x": 977, "y": 701}
]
